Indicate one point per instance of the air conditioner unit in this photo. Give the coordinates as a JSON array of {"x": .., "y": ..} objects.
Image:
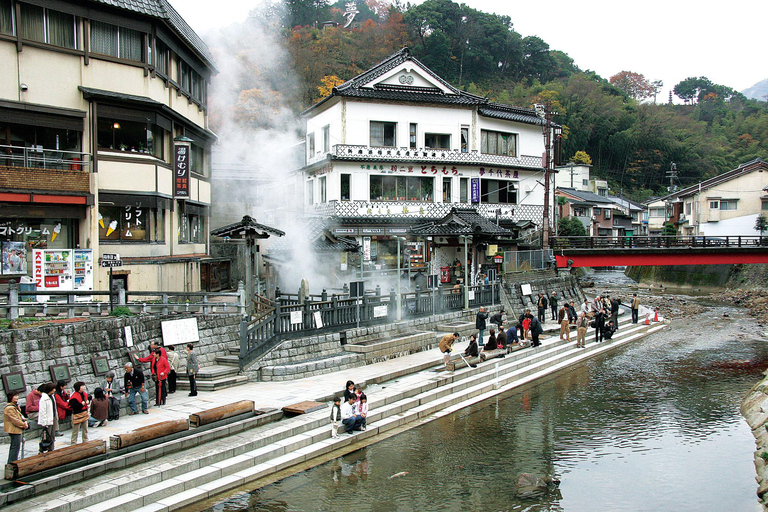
[{"x": 492, "y": 250}]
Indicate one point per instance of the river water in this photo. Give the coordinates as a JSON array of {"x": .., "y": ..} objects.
[{"x": 652, "y": 426}]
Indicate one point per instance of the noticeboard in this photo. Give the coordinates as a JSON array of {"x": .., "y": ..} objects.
[{"x": 177, "y": 332}]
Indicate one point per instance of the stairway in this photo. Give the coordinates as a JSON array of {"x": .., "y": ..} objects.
[{"x": 167, "y": 476}]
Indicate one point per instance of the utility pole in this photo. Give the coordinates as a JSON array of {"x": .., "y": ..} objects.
[{"x": 544, "y": 113}]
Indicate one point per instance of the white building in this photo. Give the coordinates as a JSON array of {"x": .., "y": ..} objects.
[{"x": 398, "y": 146}]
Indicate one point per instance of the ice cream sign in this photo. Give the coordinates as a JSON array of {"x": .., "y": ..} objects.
[{"x": 8, "y": 229}]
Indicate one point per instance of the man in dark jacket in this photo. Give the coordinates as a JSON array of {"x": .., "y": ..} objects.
[
  {"x": 608, "y": 330},
  {"x": 536, "y": 330},
  {"x": 615, "y": 305},
  {"x": 599, "y": 321},
  {"x": 542, "y": 305},
  {"x": 134, "y": 383},
  {"x": 572, "y": 312},
  {"x": 501, "y": 338},
  {"x": 480, "y": 324},
  {"x": 553, "y": 305},
  {"x": 497, "y": 318}
]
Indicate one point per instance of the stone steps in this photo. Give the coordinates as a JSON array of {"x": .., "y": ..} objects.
[
  {"x": 214, "y": 384},
  {"x": 184, "y": 476},
  {"x": 282, "y": 372}
]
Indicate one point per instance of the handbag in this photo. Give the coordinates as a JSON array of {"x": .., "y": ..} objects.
[
  {"x": 80, "y": 417},
  {"x": 154, "y": 377},
  {"x": 46, "y": 443}
]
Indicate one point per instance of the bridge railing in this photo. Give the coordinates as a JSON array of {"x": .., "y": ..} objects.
[{"x": 656, "y": 242}]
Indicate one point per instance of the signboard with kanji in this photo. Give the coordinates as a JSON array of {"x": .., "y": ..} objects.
[
  {"x": 475, "y": 190},
  {"x": 181, "y": 170}
]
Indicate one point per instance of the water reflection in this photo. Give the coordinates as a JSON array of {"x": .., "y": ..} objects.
[{"x": 653, "y": 426}]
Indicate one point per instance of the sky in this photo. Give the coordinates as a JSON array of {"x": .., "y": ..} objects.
[{"x": 669, "y": 42}]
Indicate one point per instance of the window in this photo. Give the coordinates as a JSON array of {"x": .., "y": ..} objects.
[
  {"x": 714, "y": 205},
  {"x": 121, "y": 42},
  {"x": 162, "y": 58},
  {"x": 607, "y": 213},
  {"x": 323, "y": 196},
  {"x": 688, "y": 207},
  {"x": 464, "y": 190},
  {"x": 192, "y": 83},
  {"x": 585, "y": 182},
  {"x": 616, "y": 221},
  {"x": 498, "y": 192},
  {"x": 660, "y": 212},
  {"x": 437, "y": 141},
  {"x": 602, "y": 192},
  {"x": 197, "y": 163},
  {"x": 580, "y": 211},
  {"x": 464, "y": 139},
  {"x": 311, "y": 145},
  {"x": 447, "y": 190},
  {"x": 326, "y": 138},
  {"x": 345, "y": 188},
  {"x": 131, "y": 224},
  {"x": 310, "y": 192},
  {"x": 597, "y": 211},
  {"x": 131, "y": 136},
  {"x": 383, "y": 134},
  {"x": 764, "y": 203},
  {"x": 412, "y": 135},
  {"x": 498, "y": 143},
  {"x": 7, "y": 13},
  {"x": 191, "y": 229},
  {"x": 47, "y": 26},
  {"x": 401, "y": 188},
  {"x": 730, "y": 204}
]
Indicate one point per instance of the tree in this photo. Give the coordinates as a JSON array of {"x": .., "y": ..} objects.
[
  {"x": 669, "y": 229},
  {"x": 761, "y": 224},
  {"x": 327, "y": 83},
  {"x": 692, "y": 88},
  {"x": 570, "y": 226},
  {"x": 582, "y": 157},
  {"x": 633, "y": 84}
]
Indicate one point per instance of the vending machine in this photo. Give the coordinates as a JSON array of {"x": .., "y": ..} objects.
[{"x": 62, "y": 270}]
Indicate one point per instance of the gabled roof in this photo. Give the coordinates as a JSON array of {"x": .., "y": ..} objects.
[
  {"x": 461, "y": 221},
  {"x": 589, "y": 197},
  {"x": 163, "y": 10},
  {"x": 624, "y": 203},
  {"x": 246, "y": 227},
  {"x": 371, "y": 84},
  {"x": 745, "y": 168}
]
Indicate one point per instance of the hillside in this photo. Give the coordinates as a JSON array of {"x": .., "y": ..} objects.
[{"x": 759, "y": 91}]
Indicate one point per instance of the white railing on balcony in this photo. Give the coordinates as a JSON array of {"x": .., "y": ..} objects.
[
  {"x": 39, "y": 157},
  {"x": 444, "y": 156},
  {"x": 427, "y": 211}
]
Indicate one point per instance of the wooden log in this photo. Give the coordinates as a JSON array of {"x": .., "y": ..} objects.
[
  {"x": 455, "y": 364},
  {"x": 219, "y": 413},
  {"x": 49, "y": 460},
  {"x": 147, "y": 433},
  {"x": 490, "y": 354},
  {"x": 304, "y": 407}
]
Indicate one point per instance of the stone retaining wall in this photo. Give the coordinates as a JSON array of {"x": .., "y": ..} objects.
[{"x": 754, "y": 408}]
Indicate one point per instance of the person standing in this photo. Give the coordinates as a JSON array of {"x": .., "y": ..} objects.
[
  {"x": 572, "y": 311},
  {"x": 599, "y": 322},
  {"x": 78, "y": 401},
  {"x": 446, "y": 345},
  {"x": 480, "y": 324},
  {"x": 192, "y": 369},
  {"x": 47, "y": 417},
  {"x": 536, "y": 331},
  {"x": 61, "y": 397},
  {"x": 160, "y": 370},
  {"x": 615, "y": 305},
  {"x": 335, "y": 417},
  {"x": 14, "y": 425},
  {"x": 32, "y": 406},
  {"x": 581, "y": 331},
  {"x": 565, "y": 324},
  {"x": 542, "y": 305},
  {"x": 173, "y": 362},
  {"x": 134, "y": 383},
  {"x": 635, "y": 308},
  {"x": 553, "y": 304}
]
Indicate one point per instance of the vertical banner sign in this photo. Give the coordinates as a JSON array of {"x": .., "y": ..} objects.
[
  {"x": 181, "y": 170},
  {"x": 475, "y": 190},
  {"x": 367, "y": 248}
]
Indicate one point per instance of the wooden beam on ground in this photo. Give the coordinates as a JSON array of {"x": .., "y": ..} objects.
[
  {"x": 49, "y": 460},
  {"x": 455, "y": 364},
  {"x": 147, "y": 433},
  {"x": 219, "y": 413},
  {"x": 304, "y": 407},
  {"x": 491, "y": 354}
]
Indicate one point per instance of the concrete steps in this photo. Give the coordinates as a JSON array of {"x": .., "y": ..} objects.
[
  {"x": 212, "y": 378},
  {"x": 181, "y": 476}
]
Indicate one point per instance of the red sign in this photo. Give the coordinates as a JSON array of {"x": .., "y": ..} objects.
[
  {"x": 445, "y": 274},
  {"x": 39, "y": 268},
  {"x": 51, "y": 281}
]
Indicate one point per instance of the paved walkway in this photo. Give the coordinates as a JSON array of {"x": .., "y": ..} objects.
[{"x": 264, "y": 394}]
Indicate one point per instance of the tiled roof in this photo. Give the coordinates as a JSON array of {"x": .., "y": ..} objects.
[
  {"x": 585, "y": 196},
  {"x": 461, "y": 221},
  {"x": 510, "y": 113},
  {"x": 163, "y": 10}
]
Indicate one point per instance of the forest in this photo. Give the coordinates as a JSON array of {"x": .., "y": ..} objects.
[{"x": 617, "y": 123}]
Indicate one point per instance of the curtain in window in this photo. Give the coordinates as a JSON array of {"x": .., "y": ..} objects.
[
  {"x": 377, "y": 134},
  {"x": 6, "y": 17},
  {"x": 161, "y": 57},
  {"x": 32, "y": 23},
  {"x": 130, "y": 44},
  {"x": 61, "y": 29},
  {"x": 103, "y": 38}
]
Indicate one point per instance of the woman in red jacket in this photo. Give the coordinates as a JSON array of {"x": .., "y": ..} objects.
[
  {"x": 160, "y": 370},
  {"x": 62, "y": 405}
]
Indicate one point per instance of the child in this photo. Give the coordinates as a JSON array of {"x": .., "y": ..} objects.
[
  {"x": 358, "y": 393},
  {"x": 335, "y": 417},
  {"x": 363, "y": 410}
]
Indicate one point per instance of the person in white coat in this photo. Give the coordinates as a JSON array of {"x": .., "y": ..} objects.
[{"x": 47, "y": 418}]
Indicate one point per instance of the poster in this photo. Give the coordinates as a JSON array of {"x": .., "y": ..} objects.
[
  {"x": 177, "y": 332},
  {"x": 318, "y": 320},
  {"x": 525, "y": 289},
  {"x": 379, "y": 311},
  {"x": 471, "y": 294},
  {"x": 296, "y": 317},
  {"x": 128, "y": 336},
  {"x": 14, "y": 258}
]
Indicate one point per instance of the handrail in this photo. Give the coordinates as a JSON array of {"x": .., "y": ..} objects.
[
  {"x": 21, "y": 156},
  {"x": 660, "y": 241}
]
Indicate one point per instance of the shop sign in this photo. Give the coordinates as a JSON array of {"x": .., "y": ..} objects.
[
  {"x": 475, "y": 190},
  {"x": 344, "y": 260},
  {"x": 372, "y": 231},
  {"x": 19, "y": 228},
  {"x": 498, "y": 173},
  {"x": 413, "y": 209},
  {"x": 181, "y": 170},
  {"x": 51, "y": 281},
  {"x": 345, "y": 231},
  {"x": 38, "y": 268},
  {"x": 397, "y": 231},
  {"x": 367, "y": 248}
]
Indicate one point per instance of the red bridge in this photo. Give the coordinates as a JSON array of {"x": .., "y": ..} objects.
[{"x": 601, "y": 251}]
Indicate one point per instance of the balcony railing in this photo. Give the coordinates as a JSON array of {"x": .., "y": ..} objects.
[
  {"x": 38, "y": 157},
  {"x": 515, "y": 212},
  {"x": 442, "y": 156}
]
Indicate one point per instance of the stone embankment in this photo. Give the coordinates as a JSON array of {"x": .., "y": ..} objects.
[{"x": 754, "y": 408}]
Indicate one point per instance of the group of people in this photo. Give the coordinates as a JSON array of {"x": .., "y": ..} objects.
[
  {"x": 51, "y": 404},
  {"x": 353, "y": 413}
]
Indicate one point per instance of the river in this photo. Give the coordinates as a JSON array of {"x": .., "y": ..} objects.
[{"x": 652, "y": 426}]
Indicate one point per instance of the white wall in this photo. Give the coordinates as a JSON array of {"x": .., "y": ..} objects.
[{"x": 737, "y": 226}]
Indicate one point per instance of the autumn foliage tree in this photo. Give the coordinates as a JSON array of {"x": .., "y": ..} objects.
[
  {"x": 327, "y": 83},
  {"x": 635, "y": 85}
]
